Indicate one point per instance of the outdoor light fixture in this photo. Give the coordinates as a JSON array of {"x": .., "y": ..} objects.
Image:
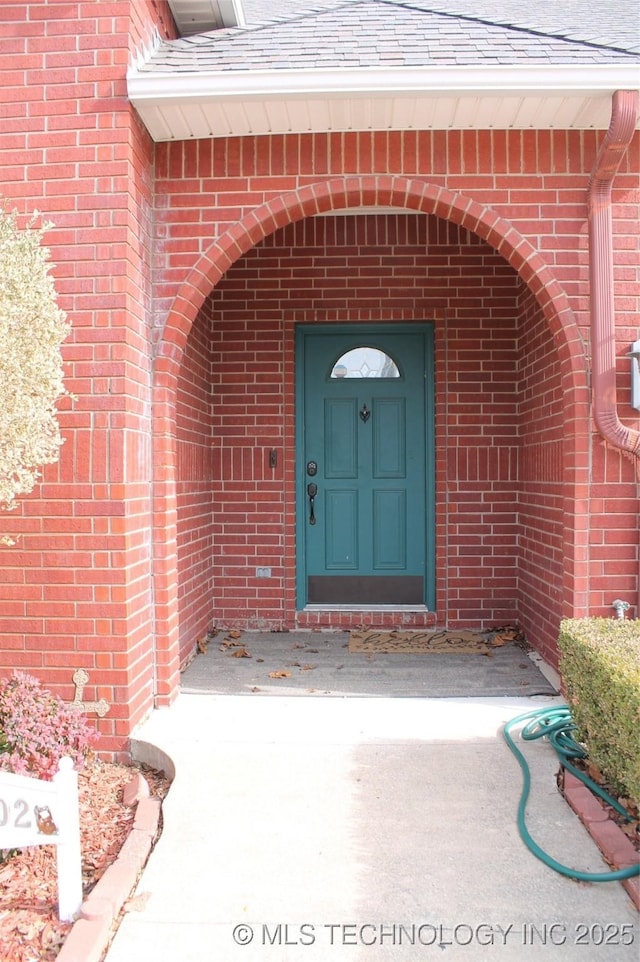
[{"x": 634, "y": 354}]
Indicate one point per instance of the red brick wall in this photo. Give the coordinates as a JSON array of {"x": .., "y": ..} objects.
[
  {"x": 610, "y": 521},
  {"x": 477, "y": 431},
  {"x": 76, "y": 590},
  {"x": 537, "y": 180},
  {"x": 543, "y": 473},
  {"x": 197, "y": 549},
  {"x": 538, "y": 183},
  {"x": 373, "y": 268}
]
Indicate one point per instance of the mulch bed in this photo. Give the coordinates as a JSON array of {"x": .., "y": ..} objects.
[{"x": 30, "y": 930}]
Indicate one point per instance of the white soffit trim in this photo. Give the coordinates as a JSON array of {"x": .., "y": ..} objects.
[{"x": 183, "y": 105}]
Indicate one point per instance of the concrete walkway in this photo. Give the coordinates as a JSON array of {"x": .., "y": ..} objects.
[{"x": 368, "y": 829}]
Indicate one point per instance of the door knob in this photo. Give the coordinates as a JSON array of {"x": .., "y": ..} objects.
[{"x": 312, "y": 490}]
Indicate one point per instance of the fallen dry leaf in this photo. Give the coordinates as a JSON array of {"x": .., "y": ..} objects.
[
  {"x": 630, "y": 829},
  {"x": 279, "y": 674},
  {"x": 241, "y": 653},
  {"x": 234, "y": 633},
  {"x": 137, "y": 903},
  {"x": 307, "y": 667}
]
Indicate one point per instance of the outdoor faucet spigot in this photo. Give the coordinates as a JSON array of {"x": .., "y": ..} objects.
[{"x": 621, "y": 607}]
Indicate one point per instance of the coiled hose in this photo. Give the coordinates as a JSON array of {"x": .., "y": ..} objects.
[{"x": 557, "y": 725}]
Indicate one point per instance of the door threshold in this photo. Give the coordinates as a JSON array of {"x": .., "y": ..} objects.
[{"x": 317, "y": 607}]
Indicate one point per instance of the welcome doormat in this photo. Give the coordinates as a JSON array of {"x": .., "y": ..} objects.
[{"x": 443, "y": 641}]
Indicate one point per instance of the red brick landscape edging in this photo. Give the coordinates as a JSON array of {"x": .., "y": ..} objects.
[
  {"x": 90, "y": 934},
  {"x": 616, "y": 848}
]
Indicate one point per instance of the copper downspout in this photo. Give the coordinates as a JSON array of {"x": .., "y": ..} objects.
[{"x": 624, "y": 114}]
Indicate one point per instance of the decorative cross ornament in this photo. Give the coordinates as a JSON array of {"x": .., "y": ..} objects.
[{"x": 80, "y": 679}]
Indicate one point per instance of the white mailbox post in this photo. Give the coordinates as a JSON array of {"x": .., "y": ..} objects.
[{"x": 35, "y": 812}]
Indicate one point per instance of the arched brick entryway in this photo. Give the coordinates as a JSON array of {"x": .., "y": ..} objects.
[{"x": 337, "y": 194}]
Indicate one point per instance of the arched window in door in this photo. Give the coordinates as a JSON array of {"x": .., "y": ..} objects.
[{"x": 367, "y": 362}]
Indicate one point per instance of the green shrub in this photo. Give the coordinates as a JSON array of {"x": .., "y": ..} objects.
[{"x": 600, "y": 667}]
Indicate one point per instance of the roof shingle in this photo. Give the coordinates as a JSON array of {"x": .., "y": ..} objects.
[{"x": 413, "y": 33}]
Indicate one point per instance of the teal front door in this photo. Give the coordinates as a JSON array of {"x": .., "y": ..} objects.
[{"x": 365, "y": 465}]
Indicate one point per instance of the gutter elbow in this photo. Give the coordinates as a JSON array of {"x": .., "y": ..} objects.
[{"x": 612, "y": 429}]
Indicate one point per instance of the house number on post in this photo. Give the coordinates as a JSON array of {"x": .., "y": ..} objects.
[
  {"x": 16, "y": 815},
  {"x": 37, "y": 812}
]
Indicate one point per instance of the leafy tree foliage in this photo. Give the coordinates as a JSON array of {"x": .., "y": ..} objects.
[{"x": 32, "y": 330}]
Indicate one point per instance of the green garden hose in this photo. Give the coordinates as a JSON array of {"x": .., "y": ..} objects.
[{"x": 557, "y": 725}]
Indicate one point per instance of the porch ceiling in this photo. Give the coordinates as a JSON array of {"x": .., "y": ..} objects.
[{"x": 228, "y": 104}]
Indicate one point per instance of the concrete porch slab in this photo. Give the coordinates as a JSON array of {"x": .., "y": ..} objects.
[{"x": 320, "y": 663}]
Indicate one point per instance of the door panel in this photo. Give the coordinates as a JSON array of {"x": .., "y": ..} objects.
[
  {"x": 340, "y": 438},
  {"x": 389, "y": 525},
  {"x": 389, "y": 438},
  {"x": 341, "y": 527},
  {"x": 368, "y": 536}
]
